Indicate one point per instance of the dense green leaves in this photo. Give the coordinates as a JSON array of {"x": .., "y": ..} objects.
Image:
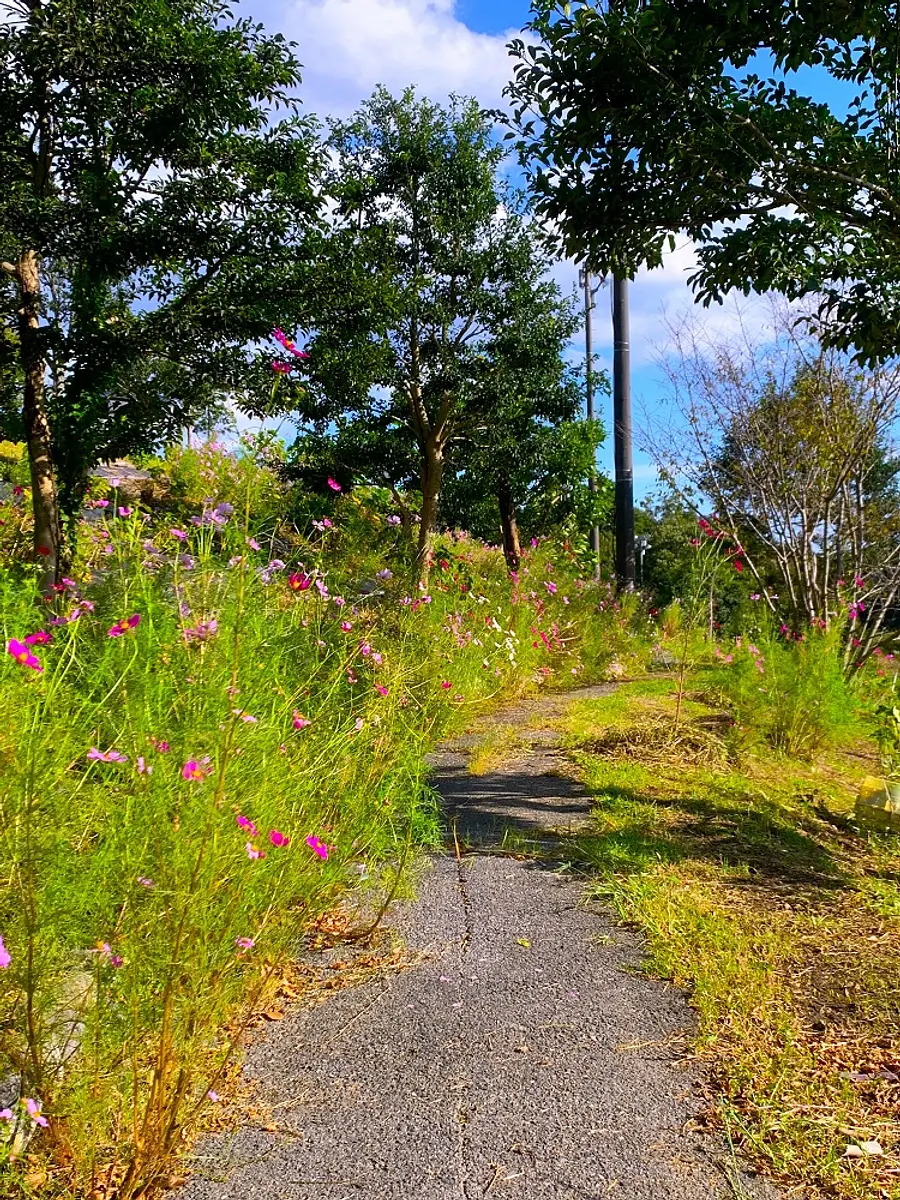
[
  {"x": 639, "y": 120},
  {"x": 143, "y": 160}
]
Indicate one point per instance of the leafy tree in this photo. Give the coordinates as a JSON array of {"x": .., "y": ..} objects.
[
  {"x": 642, "y": 118},
  {"x": 790, "y": 443},
  {"x": 526, "y": 470},
  {"x": 432, "y": 310},
  {"x": 150, "y": 212}
]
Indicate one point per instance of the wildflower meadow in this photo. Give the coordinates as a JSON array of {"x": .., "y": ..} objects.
[{"x": 209, "y": 735}]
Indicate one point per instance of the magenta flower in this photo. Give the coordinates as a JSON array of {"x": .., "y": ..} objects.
[
  {"x": 39, "y": 639},
  {"x": 279, "y": 839},
  {"x": 346, "y": 626},
  {"x": 22, "y": 654},
  {"x": 380, "y": 689},
  {"x": 125, "y": 511},
  {"x": 253, "y": 853},
  {"x": 114, "y": 960},
  {"x": 5, "y": 958},
  {"x": 193, "y": 770},
  {"x": 858, "y": 581},
  {"x": 446, "y": 684},
  {"x": 317, "y": 847},
  {"x": 299, "y": 721},
  {"x": 160, "y": 747},
  {"x": 214, "y": 1096},
  {"x": 299, "y": 581},
  {"x": 246, "y": 823},
  {"x": 393, "y": 520},
  {"x": 253, "y": 543},
  {"x": 125, "y": 626},
  {"x": 107, "y": 756},
  {"x": 377, "y": 659},
  {"x": 334, "y": 485},
  {"x": 6, "y": 1114},
  {"x": 358, "y": 724},
  {"x": 143, "y": 767},
  {"x": 244, "y": 943},
  {"x": 33, "y": 1108},
  {"x": 179, "y": 534},
  {"x": 550, "y": 586},
  {"x": 281, "y": 337},
  {"x": 280, "y": 367}
]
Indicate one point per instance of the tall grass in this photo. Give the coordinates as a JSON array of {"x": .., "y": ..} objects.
[{"x": 214, "y": 749}]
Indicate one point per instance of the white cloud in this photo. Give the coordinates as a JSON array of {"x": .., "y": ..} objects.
[{"x": 349, "y": 46}]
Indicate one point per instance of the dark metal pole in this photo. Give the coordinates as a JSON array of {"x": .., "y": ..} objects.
[
  {"x": 624, "y": 498},
  {"x": 589, "y": 390}
]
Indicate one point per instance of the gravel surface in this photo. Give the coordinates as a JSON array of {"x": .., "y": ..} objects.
[{"x": 521, "y": 1057}]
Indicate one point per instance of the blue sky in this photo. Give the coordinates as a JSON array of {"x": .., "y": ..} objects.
[{"x": 443, "y": 46}]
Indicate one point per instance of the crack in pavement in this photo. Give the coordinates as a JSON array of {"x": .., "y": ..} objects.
[{"x": 522, "y": 1057}]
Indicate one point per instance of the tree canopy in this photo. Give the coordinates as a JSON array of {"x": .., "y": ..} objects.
[
  {"x": 434, "y": 323},
  {"x": 641, "y": 119},
  {"x": 144, "y": 217}
]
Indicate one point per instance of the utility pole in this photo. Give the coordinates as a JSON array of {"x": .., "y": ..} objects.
[
  {"x": 624, "y": 496},
  {"x": 585, "y": 280}
]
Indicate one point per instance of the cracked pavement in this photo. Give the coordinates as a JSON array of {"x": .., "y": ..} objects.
[{"x": 520, "y": 1057}]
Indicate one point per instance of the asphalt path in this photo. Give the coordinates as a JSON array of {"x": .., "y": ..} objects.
[{"x": 522, "y": 1056}]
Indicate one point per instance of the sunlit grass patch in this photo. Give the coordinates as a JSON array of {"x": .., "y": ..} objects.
[{"x": 759, "y": 896}]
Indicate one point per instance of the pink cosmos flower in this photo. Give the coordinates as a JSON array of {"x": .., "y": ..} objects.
[
  {"x": 114, "y": 960},
  {"x": 107, "y": 756},
  {"x": 193, "y": 770},
  {"x": 160, "y": 747},
  {"x": 378, "y": 659},
  {"x": 253, "y": 543},
  {"x": 281, "y": 337},
  {"x": 33, "y": 1108},
  {"x": 246, "y": 823},
  {"x": 358, "y": 724},
  {"x": 125, "y": 626},
  {"x": 299, "y": 721},
  {"x": 380, "y": 689},
  {"x": 365, "y": 649},
  {"x": 22, "y": 654},
  {"x": 179, "y": 534},
  {"x": 244, "y": 943},
  {"x": 346, "y": 626},
  {"x": 277, "y": 838},
  {"x": 6, "y": 1114},
  {"x": 41, "y": 638},
  {"x": 280, "y": 367},
  {"x": 858, "y": 581},
  {"x": 5, "y": 957},
  {"x": 124, "y": 511},
  {"x": 299, "y": 581},
  {"x": 323, "y": 525},
  {"x": 738, "y": 565},
  {"x": 245, "y": 716},
  {"x": 393, "y": 520},
  {"x": 143, "y": 767},
  {"x": 352, "y": 676},
  {"x": 98, "y": 504},
  {"x": 146, "y": 882},
  {"x": 317, "y": 847},
  {"x": 446, "y": 684},
  {"x": 550, "y": 586},
  {"x": 214, "y": 1096},
  {"x": 253, "y": 853}
]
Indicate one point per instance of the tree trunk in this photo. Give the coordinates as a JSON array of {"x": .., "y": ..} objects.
[
  {"x": 511, "y": 548},
  {"x": 432, "y": 472},
  {"x": 47, "y": 527}
]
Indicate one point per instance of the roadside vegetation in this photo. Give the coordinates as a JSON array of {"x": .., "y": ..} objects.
[{"x": 736, "y": 851}]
